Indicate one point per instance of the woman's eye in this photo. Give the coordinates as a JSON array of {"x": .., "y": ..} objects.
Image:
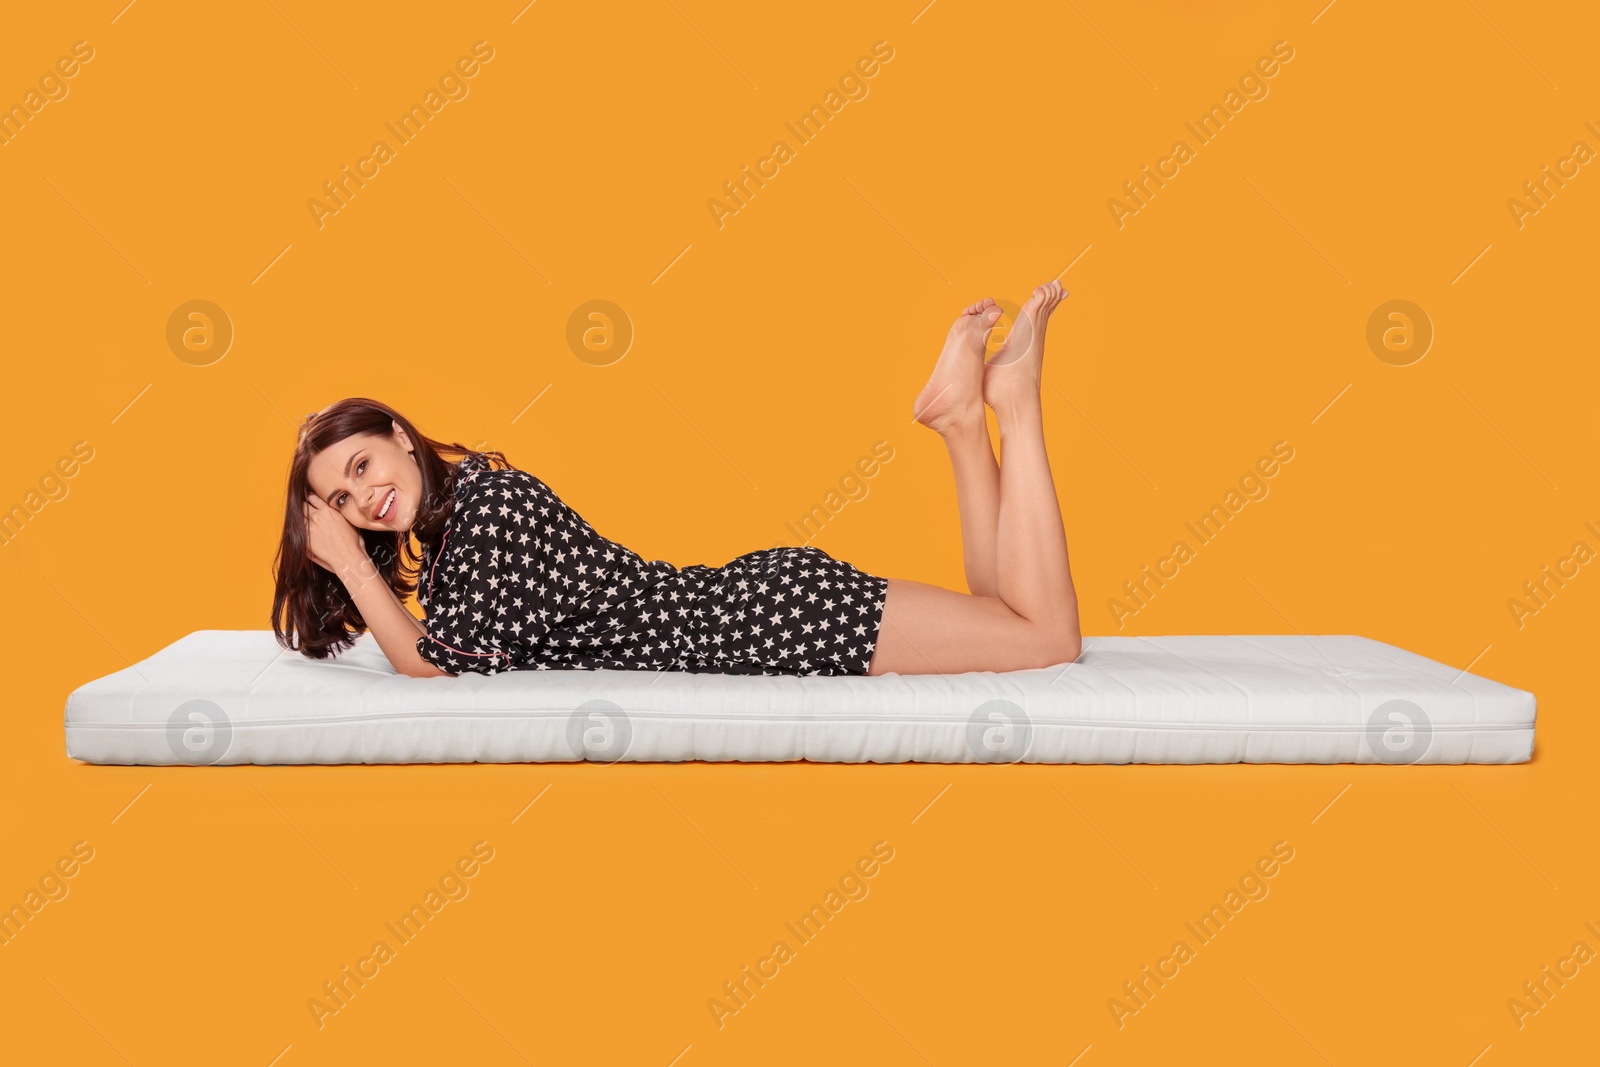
[{"x": 359, "y": 468}]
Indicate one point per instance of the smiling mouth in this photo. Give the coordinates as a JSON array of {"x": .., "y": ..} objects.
[{"x": 388, "y": 503}]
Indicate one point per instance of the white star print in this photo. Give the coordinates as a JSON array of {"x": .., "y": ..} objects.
[{"x": 547, "y": 591}]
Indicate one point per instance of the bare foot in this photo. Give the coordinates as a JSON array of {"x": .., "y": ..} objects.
[
  {"x": 1017, "y": 368},
  {"x": 953, "y": 398}
]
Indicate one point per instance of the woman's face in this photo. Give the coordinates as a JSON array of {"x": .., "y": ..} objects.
[{"x": 358, "y": 476}]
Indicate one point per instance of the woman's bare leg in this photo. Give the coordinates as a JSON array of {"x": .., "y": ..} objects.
[
  {"x": 1033, "y": 572},
  {"x": 927, "y": 629},
  {"x": 951, "y": 404},
  {"x": 1031, "y": 619},
  {"x": 977, "y": 475}
]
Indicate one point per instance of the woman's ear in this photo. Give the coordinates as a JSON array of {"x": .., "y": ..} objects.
[{"x": 405, "y": 441}]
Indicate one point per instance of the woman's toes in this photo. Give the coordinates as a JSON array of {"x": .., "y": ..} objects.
[
  {"x": 986, "y": 321},
  {"x": 1047, "y": 296},
  {"x": 978, "y": 327}
]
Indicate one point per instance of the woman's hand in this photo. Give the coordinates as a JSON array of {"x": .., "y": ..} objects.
[{"x": 331, "y": 542}]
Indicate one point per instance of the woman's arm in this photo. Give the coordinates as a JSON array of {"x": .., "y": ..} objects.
[
  {"x": 335, "y": 545},
  {"x": 391, "y": 623}
]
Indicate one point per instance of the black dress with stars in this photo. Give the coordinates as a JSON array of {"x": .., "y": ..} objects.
[{"x": 519, "y": 581}]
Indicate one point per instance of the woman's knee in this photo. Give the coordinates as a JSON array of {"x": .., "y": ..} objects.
[
  {"x": 1055, "y": 643},
  {"x": 1059, "y": 636}
]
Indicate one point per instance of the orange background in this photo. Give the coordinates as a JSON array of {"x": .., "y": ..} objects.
[{"x": 769, "y": 356}]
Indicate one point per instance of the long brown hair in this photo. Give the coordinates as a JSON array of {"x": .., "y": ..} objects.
[{"x": 311, "y": 611}]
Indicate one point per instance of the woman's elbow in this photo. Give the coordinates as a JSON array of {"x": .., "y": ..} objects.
[{"x": 421, "y": 668}]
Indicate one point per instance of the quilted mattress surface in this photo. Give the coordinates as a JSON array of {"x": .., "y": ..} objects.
[{"x": 220, "y": 697}]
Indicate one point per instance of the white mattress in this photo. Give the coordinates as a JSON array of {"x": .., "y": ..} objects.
[{"x": 233, "y": 696}]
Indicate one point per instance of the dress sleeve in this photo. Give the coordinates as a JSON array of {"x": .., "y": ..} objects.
[{"x": 493, "y": 600}]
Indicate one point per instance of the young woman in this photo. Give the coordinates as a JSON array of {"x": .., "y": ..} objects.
[{"x": 512, "y": 578}]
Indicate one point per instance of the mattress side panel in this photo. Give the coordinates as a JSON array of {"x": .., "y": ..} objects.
[{"x": 235, "y": 697}]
